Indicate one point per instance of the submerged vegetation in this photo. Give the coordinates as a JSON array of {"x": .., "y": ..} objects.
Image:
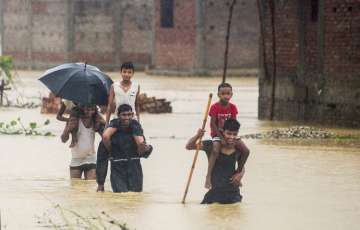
[
  {"x": 6, "y": 65},
  {"x": 16, "y": 127},
  {"x": 70, "y": 219},
  {"x": 299, "y": 132}
]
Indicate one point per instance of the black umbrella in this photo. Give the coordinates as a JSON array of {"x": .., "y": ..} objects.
[{"x": 78, "y": 82}]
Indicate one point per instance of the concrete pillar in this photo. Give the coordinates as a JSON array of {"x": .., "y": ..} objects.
[
  {"x": 199, "y": 37},
  {"x": 69, "y": 30},
  {"x": 118, "y": 16},
  {"x": 153, "y": 36},
  {"x": 301, "y": 31},
  {"x": 320, "y": 42},
  {"x": 29, "y": 37}
]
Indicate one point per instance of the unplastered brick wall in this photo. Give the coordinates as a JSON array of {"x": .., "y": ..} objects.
[
  {"x": 15, "y": 29},
  {"x": 196, "y": 40},
  {"x": 244, "y": 34},
  {"x": 317, "y": 62},
  {"x": 342, "y": 40},
  {"x": 93, "y": 32},
  {"x": 174, "y": 46},
  {"x": 47, "y": 33},
  {"x": 44, "y": 33},
  {"x": 137, "y": 36}
]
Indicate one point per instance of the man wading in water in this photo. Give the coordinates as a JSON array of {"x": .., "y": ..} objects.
[
  {"x": 124, "y": 141},
  {"x": 225, "y": 179},
  {"x": 83, "y": 158}
]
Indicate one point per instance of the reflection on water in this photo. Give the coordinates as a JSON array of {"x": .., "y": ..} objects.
[{"x": 289, "y": 184}]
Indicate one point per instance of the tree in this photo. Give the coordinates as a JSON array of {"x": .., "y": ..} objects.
[
  {"x": 227, "y": 38},
  {"x": 6, "y": 65}
]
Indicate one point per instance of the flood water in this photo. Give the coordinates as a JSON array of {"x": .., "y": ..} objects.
[{"x": 288, "y": 184}]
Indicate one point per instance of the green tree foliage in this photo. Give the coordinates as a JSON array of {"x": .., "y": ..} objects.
[{"x": 7, "y": 65}]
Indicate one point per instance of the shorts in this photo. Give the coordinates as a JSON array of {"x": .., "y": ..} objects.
[{"x": 84, "y": 167}]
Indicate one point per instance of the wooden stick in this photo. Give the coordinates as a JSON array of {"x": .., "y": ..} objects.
[
  {"x": 197, "y": 149},
  {"x": 227, "y": 40}
]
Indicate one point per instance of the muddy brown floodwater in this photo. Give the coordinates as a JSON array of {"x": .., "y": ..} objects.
[{"x": 287, "y": 185}]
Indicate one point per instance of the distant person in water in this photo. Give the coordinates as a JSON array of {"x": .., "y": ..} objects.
[
  {"x": 226, "y": 177},
  {"x": 125, "y": 91},
  {"x": 124, "y": 142},
  {"x": 83, "y": 158}
]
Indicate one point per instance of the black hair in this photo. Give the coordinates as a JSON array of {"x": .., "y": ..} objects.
[
  {"x": 127, "y": 65},
  {"x": 224, "y": 85},
  {"x": 231, "y": 124},
  {"x": 124, "y": 108}
]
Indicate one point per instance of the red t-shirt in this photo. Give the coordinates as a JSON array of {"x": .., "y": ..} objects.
[{"x": 221, "y": 114}]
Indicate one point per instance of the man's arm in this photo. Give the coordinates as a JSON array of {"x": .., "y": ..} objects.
[
  {"x": 141, "y": 144},
  {"x": 110, "y": 105},
  {"x": 192, "y": 142},
  {"x": 240, "y": 171},
  {"x": 138, "y": 135},
  {"x": 101, "y": 166},
  {"x": 107, "y": 137},
  {"x": 244, "y": 154}
]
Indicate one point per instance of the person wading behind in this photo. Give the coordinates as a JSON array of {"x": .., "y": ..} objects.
[
  {"x": 225, "y": 178},
  {"x": 219, "y": 113},
  {"x": 124, "y": 92},
  {"x": 124, "y": 141}
]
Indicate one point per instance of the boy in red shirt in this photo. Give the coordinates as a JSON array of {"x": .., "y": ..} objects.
[{"x": 219, "y": 113}]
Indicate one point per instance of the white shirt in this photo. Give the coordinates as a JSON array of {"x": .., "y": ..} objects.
[
  {"x": 84, "y": 150},
  {"x": 128, "y": 97}
]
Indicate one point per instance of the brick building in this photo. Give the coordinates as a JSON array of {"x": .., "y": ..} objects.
[
  {"x": 310, "y": 59},
  {"x": 190, "y": 35},
  {"x": 44, "y": 33},
  {"x": 176, "y": 35}
]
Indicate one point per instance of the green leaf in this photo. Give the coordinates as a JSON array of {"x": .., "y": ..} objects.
[
  {"x": 1, "y": 124},
  {"x": 48, "y": 134},
  {"x": 47, "y": 122},
  {"x": 13, "y": 123},
  {"x": 18, "y": 119},
  {"x": 7, "y": 126},
  {"x": 33, "y": 125}
]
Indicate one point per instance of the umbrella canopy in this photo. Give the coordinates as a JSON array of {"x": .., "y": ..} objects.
[{"x": 78, "y": 82}]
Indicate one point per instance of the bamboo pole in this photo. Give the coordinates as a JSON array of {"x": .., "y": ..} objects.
[
  {"x": 197, "y": 149},
  {"x": 227, "y": 38}
]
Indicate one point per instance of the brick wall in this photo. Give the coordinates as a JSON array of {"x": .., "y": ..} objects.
[
  {"x": 197, "y": 41},
  {"x": 47, "y": 33},
  {"x": 44, "y": 33},
  {"x": 243, "y": 45},
  {"x": 93, "y": 32},
  {"x": 317, "y": 62},
  {"x": 175, "y": 47},
  {"x": 15, "y": 29},
  {"x": 137, "y": 31}
]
